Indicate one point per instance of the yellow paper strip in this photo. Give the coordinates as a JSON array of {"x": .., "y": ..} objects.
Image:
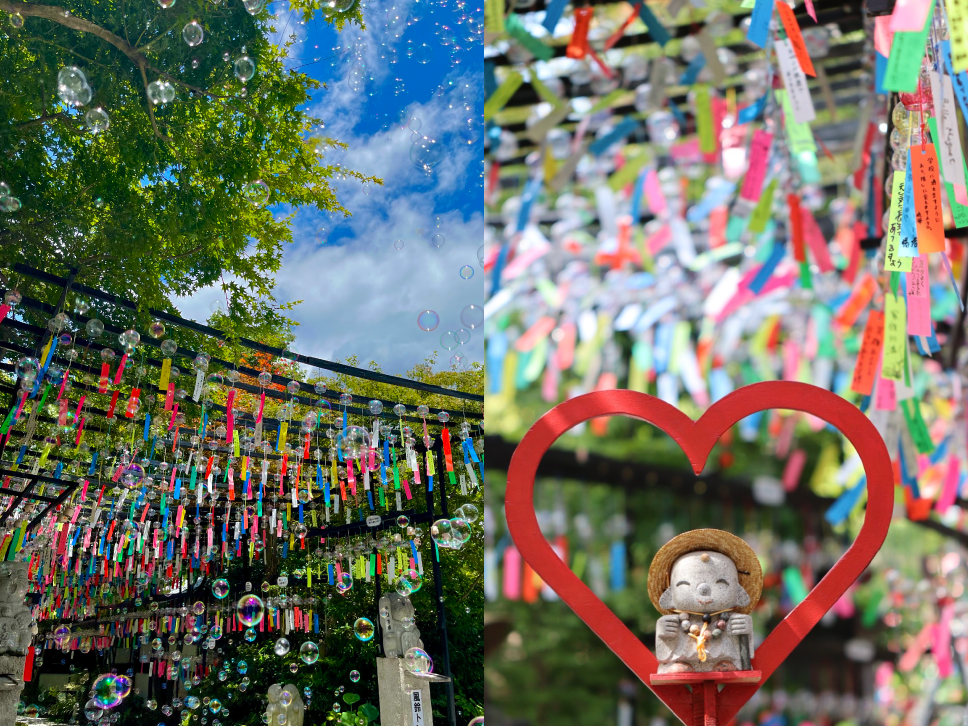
[
  {"x": 165, "y": 373},
  {"x": 893, "y": 262},
  {"x": 502, "y": 95}
]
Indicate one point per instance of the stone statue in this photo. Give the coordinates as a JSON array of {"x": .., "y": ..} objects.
[
  {"x": 16, "y": 626},
  {"x": 400, "y": 631},
  {"x": 705, "y": 583},
  {"x": 285, "y": 701}
]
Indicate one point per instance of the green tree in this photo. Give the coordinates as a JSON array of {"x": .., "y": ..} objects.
[{"x": 172, "y": 196}]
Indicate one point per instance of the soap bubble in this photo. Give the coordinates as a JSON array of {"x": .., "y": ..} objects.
[
  {"x": 309, "y": 652},
  {"x": 253, "y": 6},
  {"x": 107, "y": 693},
  {"x": 423, "y": 54},
  {"x": 132, "y": 475},
  {"x": 244, "y": 69},
  {"x": 27, "y": 369},
  {"x": 250, "y": 610},
  {"x": 418, "y": 662},
  {"x": 192, "y": 702},
  {"x": 94, "y": 328},
  {"x": 17, "y": 20},
  {"x": 123, "y": 684},
  {"x": 193, "y": 34},
  {"x": 437, "y": 241},
  {"x": 280, "y": 647},
  {"x": 198, "y": 608},
  {"x": 215, "y": 705},
  {"x": 426, "y": 153},
  {"x": 160, "y": 92},
  {"x": 242, "y": 667},
  {"x": 398, "y": 245},
  {"x": 466, "y": 272},
  {"x": 476, "y": 721},
  {"x": 468, "y": 512},
  {"x": 220, "y": 588},
  {"x": 460, "y": 531},
  {"x": 448, "y": 341},
  {"x": 97, "y": 120},
  {"x": 12, "y": 297},
  {"x": 462, "y": 336},
  {"x": 250, "y": 635},
  {"x": 9, "y": 204},
  {"x": 428, "y": 320},
  {"x": 442, "y": 534},
  {"x": 355, "y": 676},
  {"x": 408, "y": 583},
  {"x": 472, "y": 316},
  {"x": 62, "y": 634},
  {"x": 344, "y": 583},
  {"x": 363, "y": 629},
  {"x": 156, "y": 329},
  {"x": 397, "y": 22},
  {"x": 403, "y": 520},
  {"x": 256, "y": 192},
  {"x": 72, "y": 86},
  {"x": 353, "y": 441}
]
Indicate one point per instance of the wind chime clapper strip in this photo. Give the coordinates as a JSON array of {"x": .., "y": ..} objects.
[{"x": 338, "y": 368}]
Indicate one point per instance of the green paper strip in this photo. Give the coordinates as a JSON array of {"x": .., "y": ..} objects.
[
  {"x": 535, "y": 47},
  {"x": 904, "y": 62},
  {"x": 502, "y": 95}
]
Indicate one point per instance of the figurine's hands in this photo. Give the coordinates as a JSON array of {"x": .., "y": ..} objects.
[
  {"x": 667, "y": 627},
  {"x": 740, "y": 625}
]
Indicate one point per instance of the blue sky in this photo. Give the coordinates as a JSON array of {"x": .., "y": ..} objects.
[{"x": 361, "y": 295}]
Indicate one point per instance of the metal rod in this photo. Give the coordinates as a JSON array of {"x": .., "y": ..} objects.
[{"x": 251, "y": 344}]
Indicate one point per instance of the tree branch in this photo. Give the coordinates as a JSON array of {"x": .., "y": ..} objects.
[
  {"x": 44, "y": 118},
  {"x": 63, "y": 17},
  {"x": 187, "y": 254}
]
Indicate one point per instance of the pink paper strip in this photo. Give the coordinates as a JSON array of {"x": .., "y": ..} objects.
[
  {"x": 262, "y": 405},
  {"x": 174, "y": 413},
  {"x": 793, "y": 469},
  {"x": 62, "y": 387},
  {"x": 910, "y": 15},
  {"x": 229, "y": 415},
  {"x": 759, "y": 155},
  {"x": 512, "y": 573},
  {"x": 80, "y": 405},
  {"x": 942, "y": 642},
  {"x": 4, "y": 309},
  {"x": 949, "y": 491},
  {"x": 815, "y": 240},
  {"x": 660, "y": 239},
  {"x": 811, "y": 11},
  {"x": 918, "y": 298},
  {"x": 886, "y": 395},
  {"x": 653, "y": 193},
  {"x": 80, "y": 431},
  {"x": 117, "y": 376}
]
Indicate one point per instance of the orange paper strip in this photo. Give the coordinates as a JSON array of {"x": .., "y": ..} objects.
[
  {"x": 927, "y": 198},
  {"x": 796, "y": 38},
  {"x": 869, "y": 357}
]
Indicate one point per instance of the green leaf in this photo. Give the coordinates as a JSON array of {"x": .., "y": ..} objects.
[
  {"x": 370, "y": 711},
  {"x": 350, "y": 698}
]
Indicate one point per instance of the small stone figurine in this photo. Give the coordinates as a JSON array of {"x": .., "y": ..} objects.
[
  {"x": 285, "y": 706},
  {"x": 705, "y": 583},
  {"x": 400, "y": 632}
]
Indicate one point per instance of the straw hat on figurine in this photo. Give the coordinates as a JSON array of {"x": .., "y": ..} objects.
[{"x": 706, "y": 540}]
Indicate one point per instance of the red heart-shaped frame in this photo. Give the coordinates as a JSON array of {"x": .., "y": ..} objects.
[{"x": 697, "y": 438}]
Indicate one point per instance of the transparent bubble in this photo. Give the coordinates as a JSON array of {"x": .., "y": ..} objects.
[
  {"x": 344, "y": 583},
  {"x": 253, "y": 6},
  {"x": 418, "y": 662},
  {"x": 107, "y": 691},
  {"x": 423, "y": 54},
  {"x": 468, "y": 512},
  {"x": 17, "y": 20},
  {"x": 428, "y": 320},
  {"x": 242, "y": 667},
  {"x": 250, "y": 635},
  {"x": 9, "y": 204},
  {"x": 448, "y": 340},
  {"x": 257, "y": 193},
  {"x": 72, "y": 86},
  {"x": 460, "y": 531},
  {"x": 193, "y": 33},
  {"x": 363, "y": 629},
  {"x": 27, "y": 369},
  {"x": 437, "y": 240},
  {"x": 397, "y": 22},
  {"x": 12, "y": 297},
  {"x": 156, "y": 329},
  {"x": 426, "y": 153},
  {"x": 62, "y": 634},
  {"x": 220, "y": 588},
  {"x": 244, "y": 69},
  {"x": 472, "y": 316},
  {"x": 466, "y": 272},
  {"x": 160, "y": 92},
  {"x": 280, "y": 647},
  {"x": 463, "y": 336},
  {"x": 398, "y": 244},
  {"x": 250, "y": 610},
  {"x": 309, "y": 652},
  {"x": 96, "y": 120},
  {"x": 442, "y": 534},
  {"x": 408, "y": 583}
]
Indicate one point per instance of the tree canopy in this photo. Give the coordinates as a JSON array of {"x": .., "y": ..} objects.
[{"x": 161, "y": 182}]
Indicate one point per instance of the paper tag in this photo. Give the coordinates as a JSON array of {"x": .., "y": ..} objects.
[
  {"x": 958, "y": 30},
  {"x": 918, "y": 298},
  {"x": 704, "y": 121},
  {"x": 904, "y": 63},
  {"x": 869, "y": 355},
  {"x": 374, "y": 520},
  {"x": 795, "y": 82},
  {"x": 895, "y": 337},
  {"x": 927, "y": 198},
  {"x": 893, "y": 262},
  {"x": 795, "y": 38},
  {"x": 948, "y": 141},
  {"x": 199, "y": 382},
  {"x": 708, "y": 45},
  {"x": 165, "y": 373},
  {"x": 502, "y": 95},
  {"x": 759, "y": 155}
]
